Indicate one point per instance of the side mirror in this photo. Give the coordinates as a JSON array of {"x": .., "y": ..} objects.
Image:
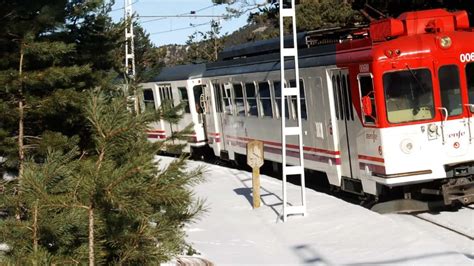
[{"x": 367, "y": 106}]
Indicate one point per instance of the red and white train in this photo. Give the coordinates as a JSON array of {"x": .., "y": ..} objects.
[{"x": 384, "y": 108}]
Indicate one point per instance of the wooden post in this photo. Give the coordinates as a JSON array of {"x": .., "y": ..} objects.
[
  {"x": 255, "y": 160},
  {"x": 256, "y": 187}
]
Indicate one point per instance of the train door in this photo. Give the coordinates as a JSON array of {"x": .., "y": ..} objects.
[
  {"x": 200, "y": 104},
  {"x": 345, "y": 133},
  {"x": 454, "y": 128},
  {"x": 470, "y": 92},
  {"x": 215, "y": 126},
  {"x": 151, "y": 102}
]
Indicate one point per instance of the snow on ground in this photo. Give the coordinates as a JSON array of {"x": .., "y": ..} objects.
[
  {"x": 333, "y": 232},
  {"x": 462, "y": 221}
]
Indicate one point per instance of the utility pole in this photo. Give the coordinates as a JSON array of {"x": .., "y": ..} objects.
[
  {"x": 130, "y": 52},
  {"x": 129, "y": 49}
]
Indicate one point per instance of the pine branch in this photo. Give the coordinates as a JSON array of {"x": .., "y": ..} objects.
[{"x": 117, "y": 181}]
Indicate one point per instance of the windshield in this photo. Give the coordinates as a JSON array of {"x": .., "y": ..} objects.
[
  {"x": 408, "y": 95},
  {"x": 450, "y": 89}
]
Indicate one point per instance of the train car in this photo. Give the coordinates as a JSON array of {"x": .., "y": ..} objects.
[
  {"x": 386, "y": 109},
  {"x": 172, "y": 86}
]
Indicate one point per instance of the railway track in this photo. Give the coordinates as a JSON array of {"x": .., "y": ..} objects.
[{"x": 429, "y": 218}]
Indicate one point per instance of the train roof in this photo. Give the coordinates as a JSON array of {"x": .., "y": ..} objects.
[
  {"x": 182, "y": 72},
  {"x": 258, "y": 47},
  {"x": 271, "y": 62},
  {"x": 263, "y": 56},
  {"x": 305, "y": 40}
]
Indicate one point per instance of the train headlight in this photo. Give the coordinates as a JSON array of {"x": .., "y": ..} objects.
[
  {"x": 407, "y": 146},
  {"x": 445, "y": 42}
]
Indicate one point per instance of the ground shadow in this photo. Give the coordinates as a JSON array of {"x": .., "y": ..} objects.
[
  {"x": 309, "y": 255},
  {"x": 246, "y": 191},
  {"x": 408, "y": 259}
]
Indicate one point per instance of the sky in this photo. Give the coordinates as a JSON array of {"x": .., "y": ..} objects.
[{"x": 176, "y": 30}]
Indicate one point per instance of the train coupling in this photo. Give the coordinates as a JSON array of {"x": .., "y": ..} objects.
[{"x": 459, "y": 190}]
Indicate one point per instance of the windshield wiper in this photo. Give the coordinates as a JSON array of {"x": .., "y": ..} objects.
[
  {"x": 416, "y": 79},
  {"x": 418, "y": 82}
]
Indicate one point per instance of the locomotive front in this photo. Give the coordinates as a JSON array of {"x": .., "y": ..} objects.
[{"x": 423, "y": 102}]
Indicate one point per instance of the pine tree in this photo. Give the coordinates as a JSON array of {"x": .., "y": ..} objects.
[
  {"x": 48, "y": 62},
  {"x": 87, "y": 188},
  {"x": 109, "y": 204},
  {"x": 205, "y": 46}
]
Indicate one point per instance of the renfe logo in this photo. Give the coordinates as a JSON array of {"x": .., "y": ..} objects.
[
  {"x": 467, "y": 57},
  {"x": 456, "y": 135}
]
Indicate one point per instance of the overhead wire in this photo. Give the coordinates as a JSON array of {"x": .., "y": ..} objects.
[
  {"x": 178, "y": 15},
  {"x": 187, "y": 14}
]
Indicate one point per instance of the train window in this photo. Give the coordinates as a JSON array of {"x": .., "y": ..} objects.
[
  {"x": 170, "y": 93},
  {"x": 148, "y": 99},
  {"x": 183, "y": 93},
  {"x": 304, "y": 112},
  {"x": 366, "y": 89},
  {"x": 277, "y": 95},
  {"x": 227, "y": 93},
  {"x": 348, "y": 84},
  {"x": 450, "y": 89},
  {"x": 265, "y": 99},
  {"x": 217, "y": 97},
  {"x": 162, "y": 97},
  {"x": 277, "y": 87},
  {"x": 408, "y": 95},
  {"x": 470, "y": 83},
  {"x": 239, "y": 99},
  {"x": 198, "y": 91},
  {"x": 251, "y": 99},
  {"x": 340, "y": 97},
  {"x": 302, "y": 100},
  {"x": 336, "y": 100},
  {"x": 347, "y": 102},
  {"x": 165, "y": 95}
]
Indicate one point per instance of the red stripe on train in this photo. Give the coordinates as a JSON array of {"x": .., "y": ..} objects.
[
  {"x": 277, "y": 144},
  {"x": 370, "y": 158}
]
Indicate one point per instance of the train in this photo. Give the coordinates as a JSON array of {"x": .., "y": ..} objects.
[{"x": 386, "y": 108}]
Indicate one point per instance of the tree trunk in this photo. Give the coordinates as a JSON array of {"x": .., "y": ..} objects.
[
  {"x": 35, "y": 227},
  {"x": 135, "y": 95},
  {"x": 91, "y": 236},
  {"x": 21, "y": 131},
  {"x": 21, "y": 113}
]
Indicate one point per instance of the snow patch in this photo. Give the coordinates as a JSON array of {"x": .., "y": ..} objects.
[{"x": 333, "y": 232}]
